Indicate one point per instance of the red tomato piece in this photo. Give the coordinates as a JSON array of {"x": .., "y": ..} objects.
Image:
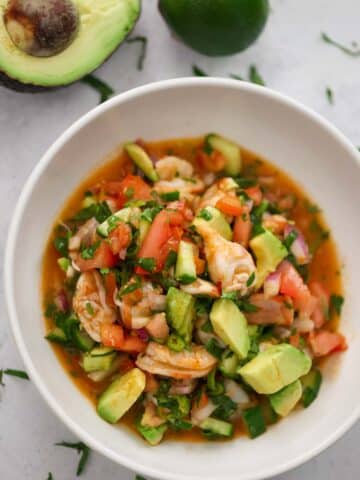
[
  {"x": 110, "y": 287},
  {"x": 120, "y": 239},
  {"x": 133, "y": 344},
  {"x": 255, "y": 194},
  {"x": 132, "y": 187},
  {"x": 103, "y": 258},
  {"x": 321, "y": 312},
  {"x": 242, "y": 228},
  {"x": 230, "y": 205},
  {"x": 325, "y": 342},
  {"x": 112, "y": 335}
]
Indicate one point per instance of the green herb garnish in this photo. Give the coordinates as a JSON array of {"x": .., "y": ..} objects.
[
  {"x": 214, "y": 348},
  {"x": 82, "y": 450},
  {"x": 170, "y": 196},
  {"x": 170, "y": 259},
  {"x": 131, "y": 287},
  {"x": 329, "y": 95},
  {"x": 89, "y": 252},
  {"x": 147, "y": 264},
  {"x": 226, "y": 407},
  {"x": 143, "y": 50},
  {"x": 89, "y": 308},
  {"x": 16, "y": 373},
  {"x": 236, "y": 77},
  {"x": 343, "y": 48},
  {"x": 250, "y": 280},
  {"x": 254, "y": 421},
  {"x": 336, "y": 303},
  {"x": 150, "y": 213},
  {"x": 104, "y": 90},
  {"x": 255, "y": 77},
  {"x": 61, "y": 245},
  {"x": 245, "y": 182},
  {"x": 205, "y": 214},
  {"x": 100, "y": 211},
  {"x": 198, "y": 72},
  {"x": 290, "y": 239},
  {"x": 214, "y": 386}
]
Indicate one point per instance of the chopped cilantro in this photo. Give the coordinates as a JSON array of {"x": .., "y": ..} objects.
[
  {"x": 329, "y": 95},
  {"x": 143, "y": 50},
  {"x": 198, "y": 72},
  {"x": 100, "y": 86},
  {"x": 255, "y": 77},
  {"x": 89, "y": 308},
  {"x": 250, "y": 280},
  {"x": 147, "y": 264},
  {"x": 343, "y": 48},
  {"x": 61, "y": 245},
  {"x": 170, "y": 196},
  {"x": 225, "y": 407},
  {"x": 214, "y": 348},
  {"x": 82, "y": 450},
  {"x": 336, "y": 303},
  {"x": 170, "y": 259},
  {"x": 89, "y": 252},
  {"x": 205, "y": 214},
  {"x": 130, "y": 287},
  {"x": 290, "y": 239}
]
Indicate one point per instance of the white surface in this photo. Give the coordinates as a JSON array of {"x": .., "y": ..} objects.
[{"x": 293, "y": 60}]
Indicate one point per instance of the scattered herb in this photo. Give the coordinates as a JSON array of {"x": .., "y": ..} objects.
[
  {"x": 89, "y": 252},
  {"x": 82, "y": 450},
  {"x": 320, "y": 235},
  {"x": 131, "y": 287},
  {"x": 205, "y": 214},
  {"x": 214, "y": 348},
  {"x": 236, "y": 77},
  {"x": 288, "y": 305},
  {"x": 203, "y": 305},
  {"x": 17, "y": 373},
  {"x": 290, "y": 239},
  {"x": 226, "y": 407},
  {"x": 336, "y": 303},
  {"x": 343, "y": 48},
  {"x": 254, "y": 421},
  {"x": 250, "y": 280},
  {"x": 214, "y": 386},
  {"x": 89, "y": 308},
  {"x": 170, "y": 196},
  {"x": 129, "y": 192},
  {"x": 207, "y": 327},
  {"x": 147, "y": 264},
  {"x": 100, "y": 211},
  {"x": 245, "y": 182},
  {"x": 143, "y": 49},
  {"x": 255, "y": 77},
  {"x": 150, "y": 213},
  {"x": 61, "y": 245},
  {"x": 104, "y": 271},
  {"x": 50, "y": 476},
  {"x": 104, "y": 90},
  {"x": 1, "y": 378},
  {"x": 311, "y": 207},
  {"x": 170, "y": 259},
  {"x": 139, "y": 477},
  {"x": 329, "y": 95},
  {"x": 198, "y": 72}
]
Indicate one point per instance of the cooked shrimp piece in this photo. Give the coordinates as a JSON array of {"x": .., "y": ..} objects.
[
  {"x": 186, "y": 187},
  {"x": 229, "y": 263},
  {"x": 201, "y": 287},
  {"x": 170, "y": 167},
  {"x": 271, "y": 311},
  {"x": 160, "y": 360},
  {"x": 225, "y": 186},
  {"x": 84, "y": 236},
  {"x": 157, "y": 326},
  {"x": 275, "y": 223},
  {"x": 150, "y": 417},
  {"x": 89, "y": 304}
]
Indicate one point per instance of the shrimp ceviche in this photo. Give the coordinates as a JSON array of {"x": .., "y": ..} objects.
[{"x": 192, "y": 291}]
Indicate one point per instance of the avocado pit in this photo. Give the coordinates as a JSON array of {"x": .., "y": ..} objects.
[{"x": 41, "y": 28}]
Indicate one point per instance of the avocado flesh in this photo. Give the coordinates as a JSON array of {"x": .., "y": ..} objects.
[
  {"x": 286, "y": 399},
  {"x": 275, "y": 368},
  {"x": 103, "y": 25}
]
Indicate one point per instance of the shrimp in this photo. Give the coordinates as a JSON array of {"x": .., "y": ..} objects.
[
  {"x": 84, "y": 236},
  {"x": 157, "y": 326},
  {"x": 150, "y": 417},
  {"x": 229, "y": 263},
  {"x": 160, "y": 360},
  {"x": 201, "y": 287},
  {"x": 170, "y": 167},
  {"x": 277, "y": 310},
  {"x": 186, "y": 187},
  {"x": 225, "y": 186},
  {"x": 275, "y": 223},
  {"x": 89, "y": 304}
]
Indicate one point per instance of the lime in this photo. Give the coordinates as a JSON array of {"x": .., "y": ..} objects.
[{"x": 216, "y": 27}]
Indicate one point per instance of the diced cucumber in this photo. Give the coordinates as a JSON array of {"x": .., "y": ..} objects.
[
  {"x": 64, "y": 263},
  {"x": 144, "y": 227},
  {"x": 185, "y": 271},
  {"x": 92, "y": 364},
  {"x": 57, "y": 335},
  {"x": 269, "y": 414},
  {"x": 153, "y": 435},
  {"x": 100, "y": 375},
  {"x": 82, "y": 340},
  {"x": 88, "y": 201},
  {"x": 217, "y": 427},
  {"x": 126, "y": 215},
  {"x": 180, "y": 312},
  {"x": 141, "y": 160},
  {"x": 254, "y": 421},
  {"x": 228, "y": 364},
  {"x": 101, "y": 351},
  {"x": 214, "y": 219},
  {"x": 121, "y": 395},
  {"x": 229, "y": 150},
  {"x": 311, "y": 384}
]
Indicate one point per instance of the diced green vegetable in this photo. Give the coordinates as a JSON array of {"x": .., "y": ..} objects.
[
  {"x": 254, "y": 421},
  {"x": 82, "y": 340},
  {"x": 141, "y": 160},
  {"x": 64, "y": 263},
  {"x": 185, "y": 271},
  {"x": 180, "y": 312},
  {"x": 217, "y": 427},
  {"x": 95, "y": 361},
  {"x": 144, "y": 227},
  {"x": 216, "y": 220},
  {"x": 126, "y": 215},
  {"x": 57, "y": 335},
  {"x": 176, "y": 343},
  {"x": 311, "y": 384},
  {"x": 229, "y": 150},
  {"x": 153, "y": 435}
]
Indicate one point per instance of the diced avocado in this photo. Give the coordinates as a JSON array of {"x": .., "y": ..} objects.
[
  {"x": 125, "y": 215},
  {"x": 254, "y": 421},
  {"x": 269, "y": 252},
  {"x": 311, "y": 384},
  {"x": 180, "y": 312},
  {"x": 120, "y": 396},
  {"x": 185, "y": 271},
  {"x": 100, "y": 375},
  {"x": 57, "y": 335},
  {"x": 141, "y": 160},
  {"x": 285, "y": 399},
  {"x": 231, "y": 326},
  {"x": 275, "y": 368},
  {"x": 153, "y": 435},
  {"x": 217, "y": 427},
  {"x": 144, "y": 227},
  {"x": 228, "y": 364},
  {"x": 46, "y": 44},
  {"x": 98, "y": 359},
  {"x": 82, "y": 340},
  {"x": 214, "y": 219},
  {"x": 230, "y": 151}
]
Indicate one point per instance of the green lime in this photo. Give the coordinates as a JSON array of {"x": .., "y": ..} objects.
[{"x": 216, "y": 27}]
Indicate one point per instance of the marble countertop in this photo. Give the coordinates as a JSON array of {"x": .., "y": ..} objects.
[{"x": 292, "y": 59}]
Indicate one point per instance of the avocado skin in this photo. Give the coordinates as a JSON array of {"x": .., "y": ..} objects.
[{"x": 21, "y": 87}]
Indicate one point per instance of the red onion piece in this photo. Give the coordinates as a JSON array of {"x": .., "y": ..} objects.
[
  {"x": 61, "y": 301},
  {"x": 142, "y": 334},
  {"x": 272, "y": 284},
  {"x": 299, "y": 247}
]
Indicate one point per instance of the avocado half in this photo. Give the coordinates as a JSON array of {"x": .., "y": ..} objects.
[{"x": 103, "y": 26}]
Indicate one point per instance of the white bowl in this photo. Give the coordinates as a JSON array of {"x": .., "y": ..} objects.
[{"x": 291, "y": 136}]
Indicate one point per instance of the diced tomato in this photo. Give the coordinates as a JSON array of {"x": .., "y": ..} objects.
[
  {"x": 151, "y": 385},
  {"x": 203, "y": 400},
  {"x": 103, "y": 258},
  {"x": 133, "y": 344},
  {"x": 112, "y": 335},
  {"x": 293, "y": 285},
  {"x": 200, "y": 265},
  {"x": 321, "y": 312},
  {"x": 242, "y": 228},
  {"x": 325, "y": 342},
  {"x": 132, "y": 187},
  {"x": 255, "y": 194},
  {"x": 229, "y": 205},
  {"x": 213, "y": 162},
  {"x": 164, "y": 235},
  {"x": 295, "y": 340},
  {"x": 120, "y": 239},
  {"x": 110, "y": 287}
]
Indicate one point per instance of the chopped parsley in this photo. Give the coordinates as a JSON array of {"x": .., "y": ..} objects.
[
  {"x": 170, "y": 259},
  {"x": 205, "y": 214},
  {"x": 343, "y": 48},
  {"x": 143, "y": 49},
  {"x": 254, "y": 421},
  {"x": 336, "y": 303},
  {"x": 198, "y": 72},
  {"x": 329, "y": 95},
  {"x": 214, "y": 348},
  {"x": 250, "y": 280},
  {"x": 130, "y": 287},
  {"x": 147, "y": 264},
  {"x": 100, "y": 211},
  {"x": 255, "y": 77},
  {"x": 62, "y": 244},
  {"x": 150, "y": 213},
  {"x": 89, "y": 252},
  {"x": 290, "y": 239},
  {"x": 170, "y": 196},
  {"x": 104, "y": 90},
  {"x": 82, "y": 449},
  {"x": 236, "y": 77},
  {"x": 89, "y": 308}
]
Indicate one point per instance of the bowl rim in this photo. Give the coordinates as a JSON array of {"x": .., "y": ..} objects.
[{"x": 30, "y": 185}]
